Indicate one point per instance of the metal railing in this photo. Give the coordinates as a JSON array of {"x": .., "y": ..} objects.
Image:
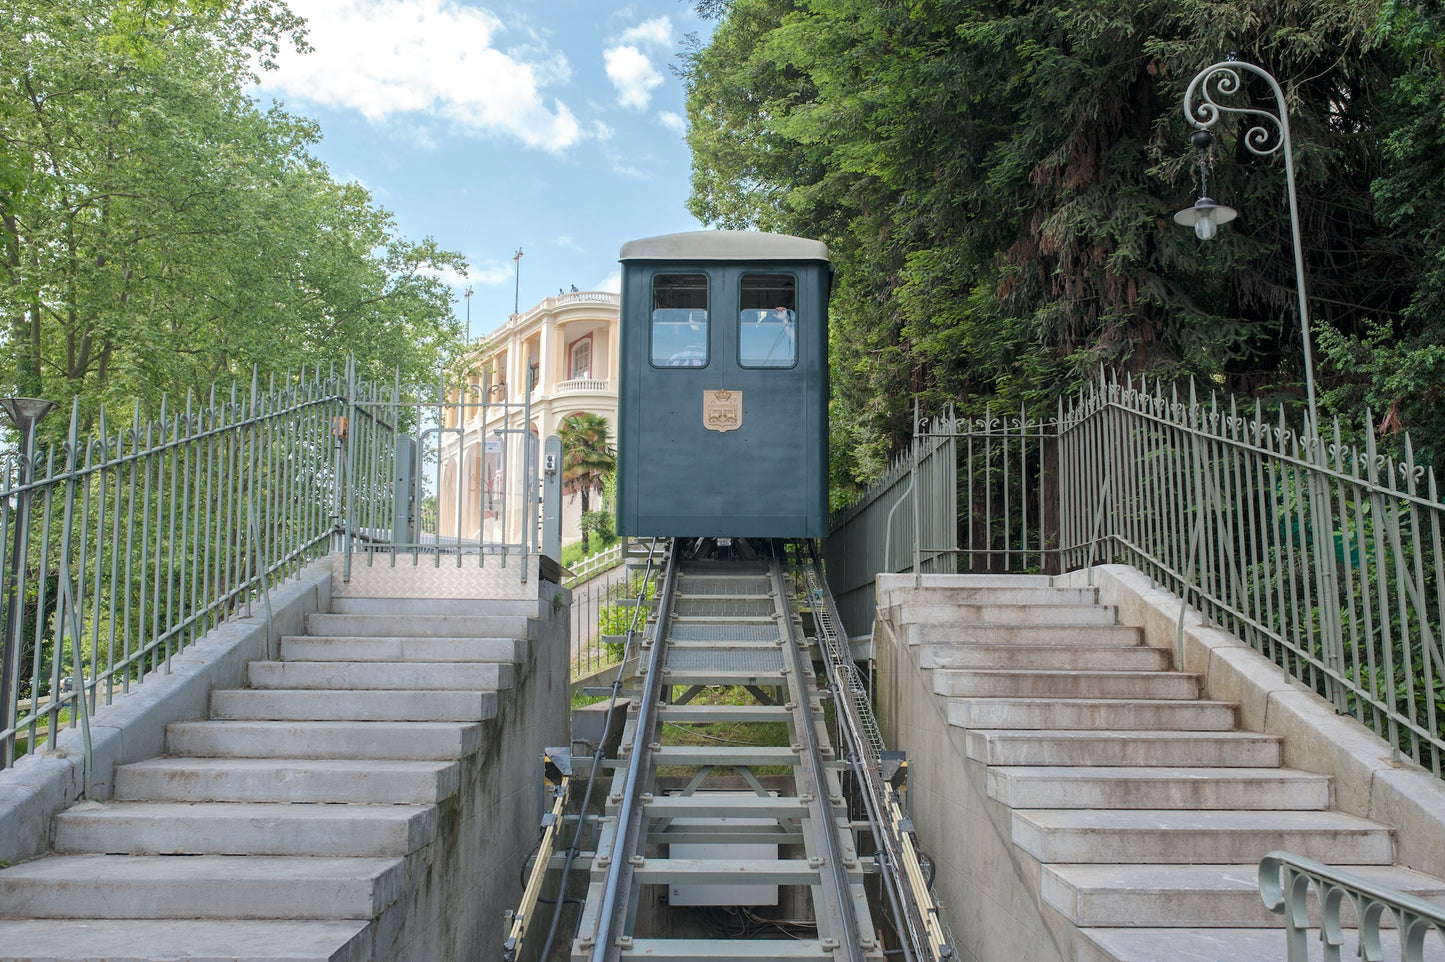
[
  {"x": 1285, "y": 882},
  {"x": 1325, "y": 557},
  {"x": 124, "y": 544},
  {"x": 905, "y": 522}
]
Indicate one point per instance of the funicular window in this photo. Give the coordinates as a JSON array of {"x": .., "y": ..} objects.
[
  {"x": 767, "y": 320},
  {"x": 679, "y": 320}
]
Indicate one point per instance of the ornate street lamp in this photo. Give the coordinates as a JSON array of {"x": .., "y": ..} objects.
[
  {"x": 1205, "y": 216},
  {"x": 1223, "y": 80},
  {"x": 25, "y": 412}
]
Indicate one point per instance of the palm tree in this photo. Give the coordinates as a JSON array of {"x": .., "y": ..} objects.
[{"x": 587, "y": 457}]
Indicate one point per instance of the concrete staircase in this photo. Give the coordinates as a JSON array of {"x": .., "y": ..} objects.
[
  {"x": 1136, "y": 810},
  {"x": 300, "y": 821}
]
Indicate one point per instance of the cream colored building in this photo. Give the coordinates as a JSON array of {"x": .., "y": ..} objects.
[{"x": 518, "y": 383}]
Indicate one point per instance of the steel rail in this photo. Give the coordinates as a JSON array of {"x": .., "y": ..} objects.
[
  {"x": 630, "y": 814},
  {"x": 838, "y": 902},
  {"x": 925, "y": 934}
]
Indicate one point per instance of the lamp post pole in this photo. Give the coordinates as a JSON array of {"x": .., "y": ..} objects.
[
  {"x": 1223, "y": 80},
  {"x": 1269, "y": 134},
  {"x": 25, "y": 413},
  {"x": 517, "y": 294}
]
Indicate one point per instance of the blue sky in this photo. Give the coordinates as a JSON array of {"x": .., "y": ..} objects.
[{"x": 555, "y": 126}]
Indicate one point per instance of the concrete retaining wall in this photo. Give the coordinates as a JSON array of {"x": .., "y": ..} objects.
[
  {"x": 990, "y": 887},
  {"x": 132, "y": 728},
  {"x": 458, "y": 885}
]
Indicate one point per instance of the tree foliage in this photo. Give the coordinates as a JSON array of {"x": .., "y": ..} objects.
[
  {"x": 996, "y": 181},
  {"x": 588, "y": 458},
  {"x": 159, "y": 230}
]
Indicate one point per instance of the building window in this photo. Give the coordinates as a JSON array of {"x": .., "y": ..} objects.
[
  {"x": 580, "y": 358},
  {"x": 534, "y": 374}
]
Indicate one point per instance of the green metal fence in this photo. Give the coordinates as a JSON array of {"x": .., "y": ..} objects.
[
  {"x": 1325, "y": 556},
  {"x": 122, "y": 545}
]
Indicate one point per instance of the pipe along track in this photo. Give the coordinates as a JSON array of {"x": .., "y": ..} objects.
[{"x": 733, "y": 825}]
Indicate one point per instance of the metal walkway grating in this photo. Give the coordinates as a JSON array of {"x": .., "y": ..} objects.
[
  {"x": 724, "y": 632},
  {"x": 723, "y": 607},
  {"x": 725, "y": 661},
  {"x": 692, "y": 587}
]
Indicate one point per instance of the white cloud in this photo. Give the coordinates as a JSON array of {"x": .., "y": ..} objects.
[
  {"x": 391, "y": 58},
  {"x": 632, "y": 74},
  {"x": 612, "y": 282},
  {"x": 656, "y": 32},
  {"x": 673, "y": 121},
  {"x": 630, "y": 70}
]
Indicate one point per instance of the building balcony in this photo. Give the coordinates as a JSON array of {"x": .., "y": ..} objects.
[{"x": 582, "y": 384}]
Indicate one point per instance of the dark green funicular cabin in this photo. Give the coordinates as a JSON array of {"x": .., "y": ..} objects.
[{"x": 723, "y": 413}]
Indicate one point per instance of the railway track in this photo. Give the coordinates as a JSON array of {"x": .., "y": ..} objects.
[{"x": 746, "y": 844}]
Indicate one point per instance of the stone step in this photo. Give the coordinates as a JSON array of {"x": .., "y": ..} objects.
[
  {"x": 493, "y": 607},
  {"x": 1228, "y": 749},
  {"x": 378, "y": 782},
  {"x": 1220, "y": 945},
  {"x": 935, "y": 613},
  {"x": 1090, "y": 636},
  {"x": 1045, "y": 657},
  {"x": 1092, "y": 713},
  {"x": 414, "y": 625},
  {"x": 989, "y": 595},
  {"x": 1219, "y": 837},
  {"x": 401, "y": 648},
  {"x": 1158, "y": 788},
  {"x": 301, "y": 704},
  {"x": 979, "y": 683},
  {"x": 324, "y": 739},
  {"x": 240, "y": 828},
  {"x": 1207, "y": 896},
  {"x": 146, "y": 940},
  {"x": 200, "y": 886},
  {"x": 381, "y": 675},
  {"x": 891, "y": 585}
]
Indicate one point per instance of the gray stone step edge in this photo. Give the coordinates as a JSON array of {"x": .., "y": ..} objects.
[
  {"x": 1370, "y": 779},
  {"x": 133, "y": 727}
]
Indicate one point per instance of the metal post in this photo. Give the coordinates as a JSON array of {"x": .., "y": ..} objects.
[
  {"x": 552, "y": 498},
  {"x": 1223, "y": 80},
  {"x": 26, "y": 413}
]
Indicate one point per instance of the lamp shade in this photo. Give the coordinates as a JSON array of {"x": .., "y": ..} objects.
[
  {"x": 1205, "y": 217},
  {"x": 25, "y": 411}
]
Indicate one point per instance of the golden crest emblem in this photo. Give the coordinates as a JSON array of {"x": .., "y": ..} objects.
[{"x": 722, "y": 410}]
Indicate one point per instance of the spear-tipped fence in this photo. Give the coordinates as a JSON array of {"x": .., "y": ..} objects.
[
  {"x": 123, "y": 545},
  {"x": 1324, "y": 556}
]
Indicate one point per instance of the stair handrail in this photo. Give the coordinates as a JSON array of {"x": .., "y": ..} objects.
[{"x": 1285, "y": 881}]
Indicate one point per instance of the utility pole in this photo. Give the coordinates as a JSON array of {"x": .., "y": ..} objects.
[
  {"x": 468, "y": 296},
  {"x": 517, "y": 296}
]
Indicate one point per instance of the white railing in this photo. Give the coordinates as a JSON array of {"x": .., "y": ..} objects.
[{"x": 581, "y": 384}]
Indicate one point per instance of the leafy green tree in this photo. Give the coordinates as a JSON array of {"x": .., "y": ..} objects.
[
  {"x": 996, "y": 181},
  {"x": 587, "y": 453},
  {"x": 587, "y": 458},
  {"x": 160, "y": 231}
]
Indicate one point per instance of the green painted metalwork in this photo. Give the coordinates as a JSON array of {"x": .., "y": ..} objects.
[
  {"x": 1285, "y": 881},
  {"x": 139, "y": 537}
]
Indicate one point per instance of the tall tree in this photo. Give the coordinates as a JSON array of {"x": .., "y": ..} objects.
[
  {"x": 587, "y": 457},
  {"x": 159, "y": 230},
  {"x": 995, "y": 181}
]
